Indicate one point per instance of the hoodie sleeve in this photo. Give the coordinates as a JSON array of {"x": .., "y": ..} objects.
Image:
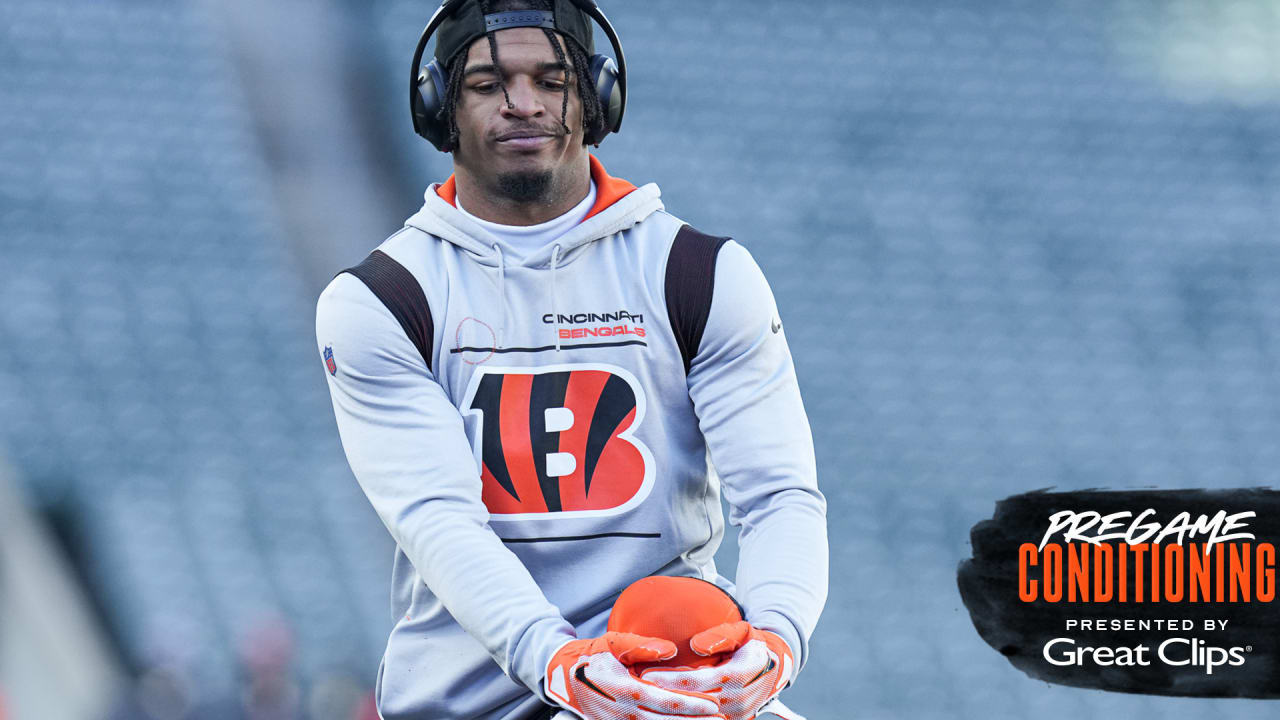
[
  {"x": 406, "y": 446},
  {"x": 744, "y": 391}
]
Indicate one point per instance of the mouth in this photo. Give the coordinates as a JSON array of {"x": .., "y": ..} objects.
[{"x": 526, "y": 139}]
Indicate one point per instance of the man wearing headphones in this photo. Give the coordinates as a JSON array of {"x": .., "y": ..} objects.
[{"x": 529, "y": 378}]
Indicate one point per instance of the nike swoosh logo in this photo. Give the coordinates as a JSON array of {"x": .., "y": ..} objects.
[
  {"x": 581, "y": 675},
  {"x": 763, "y": 672}
]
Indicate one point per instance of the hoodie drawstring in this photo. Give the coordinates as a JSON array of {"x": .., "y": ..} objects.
[
  {"x": 502, "y": 293},
  {"x": 555, "y": 304}
]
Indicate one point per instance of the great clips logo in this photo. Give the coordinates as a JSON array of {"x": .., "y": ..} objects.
[
  {"x": 1163, "y": 592},
  {"x": 559, "y": 439}
]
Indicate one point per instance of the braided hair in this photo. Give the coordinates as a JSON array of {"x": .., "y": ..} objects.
[{"x": 592, "y": 112}]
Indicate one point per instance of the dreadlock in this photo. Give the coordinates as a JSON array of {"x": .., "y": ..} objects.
[{"x": 592, "y": 112}]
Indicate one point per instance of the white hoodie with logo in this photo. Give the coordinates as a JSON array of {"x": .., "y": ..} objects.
[{"x": 556, "y": 450}]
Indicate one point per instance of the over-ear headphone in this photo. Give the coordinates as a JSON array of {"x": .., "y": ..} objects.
[{"x": 428, "y": 85}]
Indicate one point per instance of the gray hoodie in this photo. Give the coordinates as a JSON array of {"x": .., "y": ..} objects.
[{"x": 556, "y": 450}]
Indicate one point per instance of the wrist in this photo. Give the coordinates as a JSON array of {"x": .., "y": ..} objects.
[
  {"x": 554, "y": 686},
  {"x": 532, "y": 651},
  {"x": 785, "y": 633}
]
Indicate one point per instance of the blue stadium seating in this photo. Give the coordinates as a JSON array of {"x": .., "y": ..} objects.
[{"x": 161, "y": 382}]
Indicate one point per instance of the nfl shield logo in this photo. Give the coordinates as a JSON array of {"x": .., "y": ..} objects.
[{"x": 328, "y": 360}]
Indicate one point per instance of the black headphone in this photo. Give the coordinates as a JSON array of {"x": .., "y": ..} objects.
[{"x": 428, "y": 86}]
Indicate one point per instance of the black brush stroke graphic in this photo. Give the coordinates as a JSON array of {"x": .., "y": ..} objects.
[{"x": 988, "y": 585}]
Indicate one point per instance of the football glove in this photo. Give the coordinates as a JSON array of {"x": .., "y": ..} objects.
[
  {"x": 591, "y": 678},
  {"x": 759, "y": 667}
]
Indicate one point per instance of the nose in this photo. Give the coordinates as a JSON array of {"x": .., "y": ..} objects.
[{"x": 524, "y": 101}]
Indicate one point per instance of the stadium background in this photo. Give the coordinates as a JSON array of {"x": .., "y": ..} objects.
[{"x": 1015, "y": 245}]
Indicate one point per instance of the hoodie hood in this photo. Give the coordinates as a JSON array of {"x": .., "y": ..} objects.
[{"x": 619, "y": 205}]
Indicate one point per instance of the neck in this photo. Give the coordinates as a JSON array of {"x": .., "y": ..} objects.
[{"x": 485, "y": 200}]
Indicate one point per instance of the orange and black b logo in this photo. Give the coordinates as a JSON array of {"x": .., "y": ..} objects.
[{"x": 560, "y": 439}]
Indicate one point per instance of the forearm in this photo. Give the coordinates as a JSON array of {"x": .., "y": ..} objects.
[
  {"x": 782, "y": 567},
  {"x": 481, "y": 583}
]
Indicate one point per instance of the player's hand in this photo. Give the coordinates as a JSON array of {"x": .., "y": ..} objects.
[
  {"x": 759, "y": 668},
  {"x": 591, "y": 679}
]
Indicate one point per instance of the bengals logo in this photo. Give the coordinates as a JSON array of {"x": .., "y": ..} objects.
[{"x": 559, "y": 439}]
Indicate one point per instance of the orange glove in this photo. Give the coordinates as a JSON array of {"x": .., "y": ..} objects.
[
  {"x": 759, "y": 668},
  {"x": 591, "y": 679}
]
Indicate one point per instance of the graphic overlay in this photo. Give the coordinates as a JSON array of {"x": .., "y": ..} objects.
[{"x": 1157, "y": 592}]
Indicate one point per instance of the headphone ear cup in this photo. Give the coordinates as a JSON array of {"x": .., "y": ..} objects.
[
  {"x": 604, "y": 78},
  {"x": 428, "y": 107}
]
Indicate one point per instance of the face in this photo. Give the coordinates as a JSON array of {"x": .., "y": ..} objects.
[{"x": 504, "y": 146}]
